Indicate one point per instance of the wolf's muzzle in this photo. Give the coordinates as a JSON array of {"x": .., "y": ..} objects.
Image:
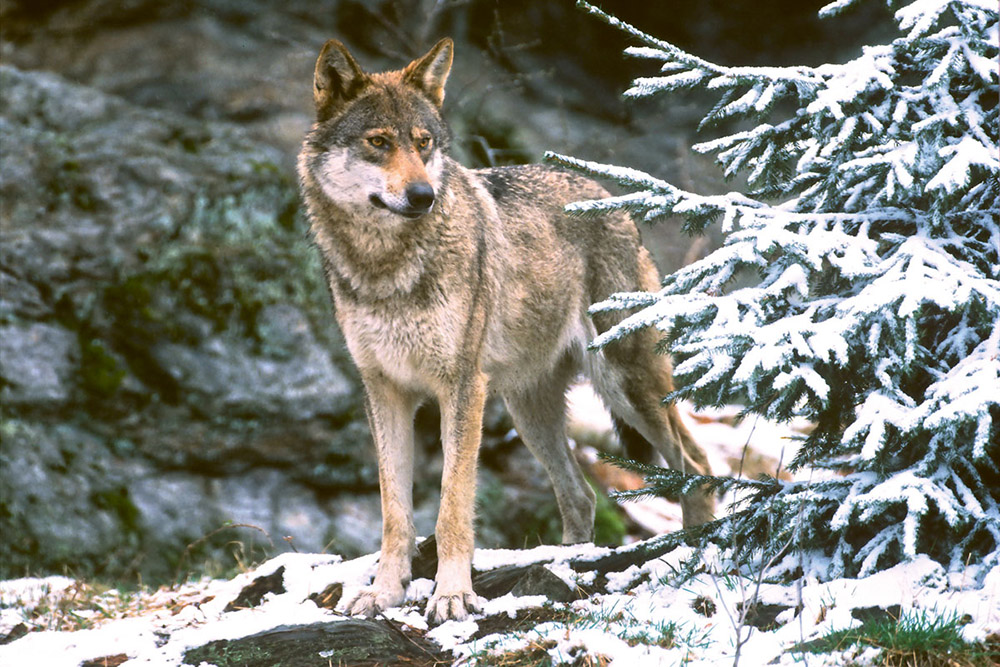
[{"x": 419, "y": 198}]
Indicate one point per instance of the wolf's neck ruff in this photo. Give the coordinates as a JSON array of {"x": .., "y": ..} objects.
[{"x": 375, "y": 261}]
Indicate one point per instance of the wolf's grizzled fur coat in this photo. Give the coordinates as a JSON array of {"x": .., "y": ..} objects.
[{"x": 446, "y": 279}]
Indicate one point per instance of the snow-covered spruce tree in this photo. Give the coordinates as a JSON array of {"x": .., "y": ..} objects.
[{"x": 871, "y": 233}]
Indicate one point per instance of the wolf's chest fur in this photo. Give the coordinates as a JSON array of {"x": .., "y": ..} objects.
[{"x": 414, "y": 346}]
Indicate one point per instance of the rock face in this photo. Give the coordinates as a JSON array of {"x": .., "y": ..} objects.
[
  {"x": 176, "y": 396},
  {"x": 164, "y": 331}
]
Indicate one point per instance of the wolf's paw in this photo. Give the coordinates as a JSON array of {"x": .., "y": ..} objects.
[
  {"x": 372, "y": 601},
  {"x": 455, "y": 607}
]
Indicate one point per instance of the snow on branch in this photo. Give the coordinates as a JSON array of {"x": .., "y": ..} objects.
[
  {"x": 958, "y": 397},
  {"x": 956, "y": 172},
  {"x": 622, "y": 175},
  {"x": 697, "y": 70},
  {"x": 657, "y": 44}
]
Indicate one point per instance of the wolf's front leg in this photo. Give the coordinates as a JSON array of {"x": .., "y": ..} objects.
[
  {"x": 461, "y": 428},
  {"x": 390, "y": 415}
]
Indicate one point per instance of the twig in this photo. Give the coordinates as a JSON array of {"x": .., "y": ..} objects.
[
  {"x": 765, "y": 566},
  {"x": 189, "y": 548},
  {"x": 398, "y": 630}
]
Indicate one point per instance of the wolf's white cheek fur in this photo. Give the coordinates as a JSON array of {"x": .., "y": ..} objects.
[{"x": 346, "y": 180}]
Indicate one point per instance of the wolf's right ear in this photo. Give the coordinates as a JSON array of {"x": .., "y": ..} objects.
[
  {"x": 430, "y": 73},
  {"x": 338, "y": 78}
]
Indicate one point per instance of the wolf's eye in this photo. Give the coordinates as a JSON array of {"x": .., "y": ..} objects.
[
  {"x": 377, "y": 141},
  {"x": 423, "y": 142}
]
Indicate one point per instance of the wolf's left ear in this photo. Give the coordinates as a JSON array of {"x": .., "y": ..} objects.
[{"x": 430, "y": 73}]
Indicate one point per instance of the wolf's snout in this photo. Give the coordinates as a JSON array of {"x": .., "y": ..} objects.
[
  {"x": 415, "y": 201},
  {"x": 420, "y": 196}
]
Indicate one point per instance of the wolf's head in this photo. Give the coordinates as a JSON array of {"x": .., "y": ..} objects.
[{"x": 378, "y": 141}]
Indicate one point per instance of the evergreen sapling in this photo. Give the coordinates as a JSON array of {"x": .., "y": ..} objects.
[{"x": 871, "y": 231}]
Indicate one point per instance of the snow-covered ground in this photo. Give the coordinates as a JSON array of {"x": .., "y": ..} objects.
[
  {"x": 638, "y": 616},
  {"x": 624, "y": 626}
]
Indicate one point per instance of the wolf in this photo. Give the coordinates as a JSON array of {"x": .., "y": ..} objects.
[{"x": 449, "y": 282}]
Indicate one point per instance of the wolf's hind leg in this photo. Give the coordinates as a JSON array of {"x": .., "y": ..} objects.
[
  {"x": 633, "y": 379},
  {"x": 390, "y": 415},
  {"x": 630, "y": 376},
  {"x": 539, "y": 415}
]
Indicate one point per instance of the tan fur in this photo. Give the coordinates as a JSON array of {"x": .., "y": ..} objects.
[{"x": 490, "y": 284}]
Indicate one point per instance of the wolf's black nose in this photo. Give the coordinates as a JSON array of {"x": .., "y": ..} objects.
[{"x": 420, "y": 196}]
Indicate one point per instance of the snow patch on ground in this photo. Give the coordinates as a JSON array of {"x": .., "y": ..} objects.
[{"x": 644, "y": 618}]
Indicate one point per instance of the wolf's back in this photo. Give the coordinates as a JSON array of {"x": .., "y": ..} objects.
[{"x": 528, "y": 196}]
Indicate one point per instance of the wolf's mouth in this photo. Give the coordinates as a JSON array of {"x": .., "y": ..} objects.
[{"x": 409, "y": 213}]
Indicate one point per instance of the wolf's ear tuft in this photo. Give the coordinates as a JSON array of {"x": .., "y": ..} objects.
[
  {"x": 430, "y": 73},
  {"x": 338, "y": 78}
]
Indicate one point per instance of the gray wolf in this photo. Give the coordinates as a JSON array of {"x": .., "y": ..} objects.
[{"x": 446, "y": 279}]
